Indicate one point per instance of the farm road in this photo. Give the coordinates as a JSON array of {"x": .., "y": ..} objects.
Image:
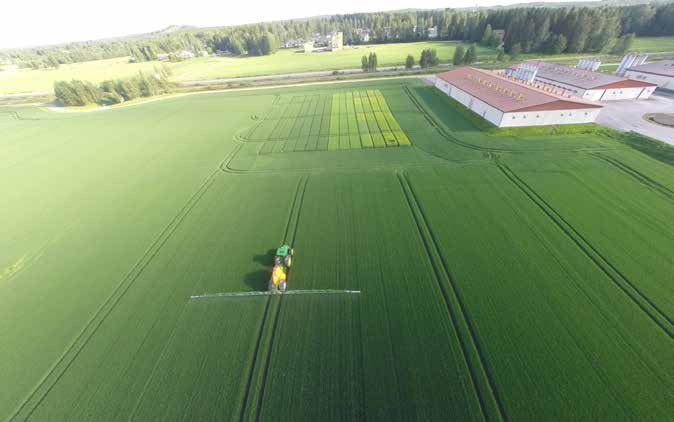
[{"x": 628, "y": 115}]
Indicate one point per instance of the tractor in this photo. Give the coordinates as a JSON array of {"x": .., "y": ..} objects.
[{"x": 283, "y": 259}]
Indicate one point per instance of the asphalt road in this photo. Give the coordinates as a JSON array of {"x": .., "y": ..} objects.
[
  {"x": 628, "y": 116},
  {"x": 302, "y": 75}
]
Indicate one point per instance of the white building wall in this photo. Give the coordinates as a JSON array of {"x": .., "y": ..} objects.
[
  {"x": 665, "y": 82},
  {"x": 592, "y": 94},
  {"x": 598, "y": 94},
  {"x": 550, "y": 117},
  {"x": 479, "y": 107},
  {"x": 647, "y": 92},
  {"x": 442, "y": 85},
  {"x": 622, "y": 94},
  {"x": 485, "y": 111}
]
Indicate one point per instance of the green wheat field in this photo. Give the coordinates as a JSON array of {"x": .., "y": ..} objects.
[{"x": 517, "y": 275}]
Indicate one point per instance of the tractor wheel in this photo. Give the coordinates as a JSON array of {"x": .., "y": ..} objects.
[{"x": 287, "y": 261}]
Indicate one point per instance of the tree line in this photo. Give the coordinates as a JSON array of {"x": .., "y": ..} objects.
[
  {"x": 428, "y": 58},
  {"x": 113, "y": 91},
  {"x": 369, "y": 63},
  {"x": 527, "y": 29}
]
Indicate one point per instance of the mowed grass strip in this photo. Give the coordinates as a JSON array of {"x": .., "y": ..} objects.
[
  {"x": 389, "y": 139},
  {"x": 357, "y": 102},
  {"x": 381, "y": 121},
  {"x": 333, "y": 142},
  {"x": 279, "y": 146},
  {"x": 372, "y": 97},
  {"x": 378, "y": 140},
  {"x": 365, "y": 103},
  {"x": 344, "y": 142},
  {"x": 401, "y": 137},
  {"x": 354, "y": 141},
  {"x": 391, "y": 121},
  {"x": 366, "y": 140},
  {"x": 362, "y": 123},
  {"x": 343, "y": 124},
  {"x": 322, "y": 143},
  {"x": 267, "y": 147},
  {"x": 352, "y": 124},
  {"x": 372, "y": 125},
  {"x": 334, "y": 122},
  {"x": 312, "y": 143},
  {"x": 316, "y": 123}
]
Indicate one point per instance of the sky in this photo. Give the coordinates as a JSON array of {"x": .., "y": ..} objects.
[{"x": 26, "y": 23}]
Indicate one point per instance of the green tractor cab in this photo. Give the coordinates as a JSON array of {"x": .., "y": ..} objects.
[
  {"x": 284, "y": 256},
  {"x": 283, "y": 259}
]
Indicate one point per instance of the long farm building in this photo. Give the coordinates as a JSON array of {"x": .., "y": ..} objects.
[
  {"x": 505, "y": 102},
  {"x": 660, "y": 73},
  {"x": 589, "y": 85}
]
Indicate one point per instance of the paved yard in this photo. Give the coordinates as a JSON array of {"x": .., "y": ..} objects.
[{"x": 628, "y": 116}]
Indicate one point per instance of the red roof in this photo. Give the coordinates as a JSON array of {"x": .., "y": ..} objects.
[
  {"x": 507, "y": 95},
  {"x": 627, "y": 83}
]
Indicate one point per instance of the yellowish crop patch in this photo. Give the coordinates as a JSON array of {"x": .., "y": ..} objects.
[{"x": 349, "y": 120}]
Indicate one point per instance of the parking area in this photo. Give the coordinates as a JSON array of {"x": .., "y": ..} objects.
[{"x": 628, "y": 115}]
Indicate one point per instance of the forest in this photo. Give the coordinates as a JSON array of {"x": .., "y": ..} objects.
[{"x": 551, "y": 30}]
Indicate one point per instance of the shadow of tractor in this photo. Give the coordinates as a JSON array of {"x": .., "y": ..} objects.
[
  {"x": 266, "y": 259},
  {"x": 259, "y": 279}
]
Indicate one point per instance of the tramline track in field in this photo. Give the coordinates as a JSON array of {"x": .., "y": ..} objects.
[
  {"x": 636, "y": 175},
  {"x": 54, "y": 374},
  {"x": 252, "y": 400},
  {"x": 650, "y": 308},
  {"x": 480, "y": 374}
]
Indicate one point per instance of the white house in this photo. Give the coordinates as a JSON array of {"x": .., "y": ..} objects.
[
  {"x": 433, "y": 32},
  {"x": 185, "y": 54},
  {"x": 589, "y": 85},
  {"x": 336, "y": 41},
  {"x": 363, "y": 34},
  {"x": 504, "y": 102},
  {"x": 660, "y": 73}
]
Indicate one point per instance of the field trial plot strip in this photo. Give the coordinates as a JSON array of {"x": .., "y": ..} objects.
[
  {"x": 660, "y": 318},
  {"x": 490, "y": 403}
]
